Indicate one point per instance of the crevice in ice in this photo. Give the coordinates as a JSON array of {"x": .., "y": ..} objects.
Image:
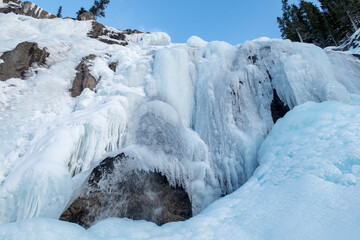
[{"x": 278, "y": 107}]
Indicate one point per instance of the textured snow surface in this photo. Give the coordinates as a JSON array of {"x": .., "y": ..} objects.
[
  {"x": 197, "y": 112},
  {"x": 306, "y": 187}
]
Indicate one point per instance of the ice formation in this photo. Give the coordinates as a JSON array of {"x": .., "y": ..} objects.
[
  {"x": 196, "y": 112},
  {"x": 306, "y": 187}
]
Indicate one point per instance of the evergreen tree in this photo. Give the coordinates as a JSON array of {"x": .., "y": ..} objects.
[
  {"x": 98, "y": 9},
  {"x": 319, "y": 32},
  {"x": 286, "y": 24},
  {"x": 333, "y": 24},
  {"x": 59, "y": 15},
  {"x": 341, "y": 14},
  {"x": 300, "y": 23},
  {"x": 81, "y": 11}
]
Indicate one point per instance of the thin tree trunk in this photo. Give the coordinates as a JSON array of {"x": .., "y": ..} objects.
[
  {"x": 299, "y": 35},
  {"x": 355, "y": 26},
  {"x": 332, "y": 38}
]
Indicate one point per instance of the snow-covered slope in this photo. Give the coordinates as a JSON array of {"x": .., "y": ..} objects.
[{"x": 198, "y": 113}]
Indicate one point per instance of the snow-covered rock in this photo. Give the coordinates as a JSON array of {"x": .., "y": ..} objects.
[{"x": 24, "y": 8}]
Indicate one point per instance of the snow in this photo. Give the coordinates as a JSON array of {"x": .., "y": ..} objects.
[
  {"x": 305, "y": 188},
  {"x": 198, "y": 113},
  {"x": 352, "y": 44}
]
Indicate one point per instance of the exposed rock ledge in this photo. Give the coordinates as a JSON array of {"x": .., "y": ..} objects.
[
  {"x": 83, "y": 78},
  {"x": 117, "y": 189},
  {"x": 26, "y": 8},
  {"x": 18, "y": 61},
  {"x": 110, "y": 35}
]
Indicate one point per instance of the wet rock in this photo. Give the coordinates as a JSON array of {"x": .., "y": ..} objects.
[
  {"x": 18, "y": 61},
  {"x": 86, "y": 16},
  {"x": 278, "y": 107},
  {"x": 83, "y": 78},
  {"x": 117, "y": 189},
  {"x": 26, "y": 8}
]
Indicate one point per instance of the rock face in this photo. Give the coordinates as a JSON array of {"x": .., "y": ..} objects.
[
  {"x": 110, "y": 35},
  {"x": 19, "y": 60},
  {"x": 83, "y": 78},
  {"x": 117, "y": 189},
  {"x": 107, "y": 35},
  {"x": 26, "y": 8}
]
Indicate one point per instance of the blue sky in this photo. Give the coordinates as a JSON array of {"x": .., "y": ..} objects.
[{"x": 233, "y": 21}]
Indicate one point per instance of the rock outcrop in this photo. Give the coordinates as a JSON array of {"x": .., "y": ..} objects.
[
  {"x": 116, "y": 188},
  {"x": 83, "y": 78},
  {"x": 26, "y": 8},
  {"x": 18, "y": 61},
  {"x": 86, "y": 16},
  {"x": 107, "y": 35}
]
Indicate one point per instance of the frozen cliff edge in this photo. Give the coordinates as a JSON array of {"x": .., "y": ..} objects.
[{"x": 213, "y": 98}]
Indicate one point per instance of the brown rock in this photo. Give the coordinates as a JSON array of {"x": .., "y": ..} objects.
[
  {"x": 19, "y": 60},
  {"x": 26, "y": 8},
  {"x": 113, "y": 66},
  {"x": 83, "y": 78},
  {"x": 69, "y": 18},
  {"x": 107, "y": 35},
  {"x": 117, "y": 189},
  {"x": 86, "y": 16},
  {"x": 12, "y": 2}
]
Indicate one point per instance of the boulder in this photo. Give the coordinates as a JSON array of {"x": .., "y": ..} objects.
[
  {"x": 116, "y": 188},
  {"x": 18, "y": 61},
  {"x": 86, "y": 16},
  {"x": 83, "y": 78}
]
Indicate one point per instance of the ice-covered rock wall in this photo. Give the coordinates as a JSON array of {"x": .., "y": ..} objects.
[{"x": 196, "y": 112}]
